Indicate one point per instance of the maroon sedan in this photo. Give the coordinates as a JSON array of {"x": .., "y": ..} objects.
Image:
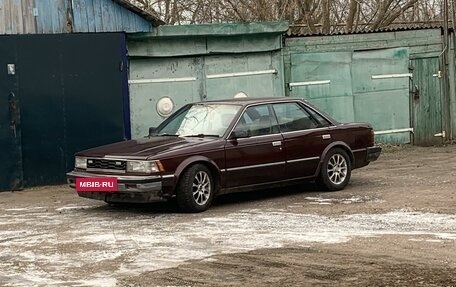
[{"x": 211, "y": 148}]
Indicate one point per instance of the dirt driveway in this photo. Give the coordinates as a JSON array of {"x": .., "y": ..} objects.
[{"x": 394, "y": 225}]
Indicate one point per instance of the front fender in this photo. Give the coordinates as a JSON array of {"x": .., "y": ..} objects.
[{"x": 215, "y": 169}]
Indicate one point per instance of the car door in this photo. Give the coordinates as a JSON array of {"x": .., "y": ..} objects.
[
  {"x": 305, "y": 136},
  {"x": 255, "y": 155}
]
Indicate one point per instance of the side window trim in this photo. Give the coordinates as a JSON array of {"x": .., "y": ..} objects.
[
  {"x": 273, "y": 122},
  {"x": 309, "y": 108}
]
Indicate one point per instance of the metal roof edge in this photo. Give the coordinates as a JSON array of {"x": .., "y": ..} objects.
[
  {"x": 291, "y": 34},
  {"x": 215, "y": 29}
]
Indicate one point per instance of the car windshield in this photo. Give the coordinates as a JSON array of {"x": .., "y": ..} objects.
[{"x": 200, "y": 120}]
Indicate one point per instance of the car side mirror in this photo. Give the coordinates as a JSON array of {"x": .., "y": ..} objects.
[
  {"x": 152, "y": 130},
  {"x": 240, "y": 134}
]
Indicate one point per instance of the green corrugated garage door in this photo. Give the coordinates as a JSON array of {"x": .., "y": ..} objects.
[
  {"x": 368, "y": 86},
  {"x": 191, "y": 79}
]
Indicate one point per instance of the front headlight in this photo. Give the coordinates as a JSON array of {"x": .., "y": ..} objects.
[
  {"x": 142, "y": 166},
  {"x": 80, "y": 162}
]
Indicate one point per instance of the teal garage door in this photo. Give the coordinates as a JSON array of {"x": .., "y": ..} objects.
[
  {"x": 257, "y": 75},
  {"x": 365, "y": 86},
  {"x": 324, "y": 79},
  {"x": 182, "y": 80},
  {"x": 152, "y": 79}
]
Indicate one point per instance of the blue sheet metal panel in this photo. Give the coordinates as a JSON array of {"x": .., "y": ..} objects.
[
  {"x": 144, "y": 97},
  {"x": 334, "y": 94},
  {"x": 221, "y": 84}
]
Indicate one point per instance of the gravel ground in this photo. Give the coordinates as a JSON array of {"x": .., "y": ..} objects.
[{"x": 394, "y": 225}]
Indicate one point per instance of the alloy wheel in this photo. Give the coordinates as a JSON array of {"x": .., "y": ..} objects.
[
  {"x": 201, "y": 188},
  {"x": 337, "y": 169}
]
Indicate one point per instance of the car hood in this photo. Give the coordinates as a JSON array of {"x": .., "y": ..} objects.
[{"x": 143, "y": 148}]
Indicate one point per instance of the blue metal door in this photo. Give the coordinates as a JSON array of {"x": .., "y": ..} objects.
[{"x": 10, "y": 130}]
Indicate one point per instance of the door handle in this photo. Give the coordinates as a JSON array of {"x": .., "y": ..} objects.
[
  {"x": 326, "y": 137},
  {"x": 277, "y": 143}
]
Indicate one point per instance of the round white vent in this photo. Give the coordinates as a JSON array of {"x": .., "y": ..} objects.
[{"x": 165, "y": 106}]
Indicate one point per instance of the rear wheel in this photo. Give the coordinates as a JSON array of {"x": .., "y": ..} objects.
[
  {"x": 336, "y": 170},
  {"x": 196, "y": 189}
]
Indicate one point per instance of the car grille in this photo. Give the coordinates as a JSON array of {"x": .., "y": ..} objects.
[{"x": 106, "y": 164}]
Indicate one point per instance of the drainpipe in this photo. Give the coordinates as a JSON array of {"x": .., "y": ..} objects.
[
  {"x": 445, "y": 80},
  {"x": 453, "y": 96}
]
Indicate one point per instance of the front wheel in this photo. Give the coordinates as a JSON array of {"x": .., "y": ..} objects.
[
  {"x": 196, "y": 189},
  {"x": 336, "y": 170}
]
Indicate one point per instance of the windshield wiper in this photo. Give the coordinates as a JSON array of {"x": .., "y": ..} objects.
[{"x": 202, "y": 136}]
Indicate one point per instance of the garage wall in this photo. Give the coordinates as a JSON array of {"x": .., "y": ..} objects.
[
  {"x": 62, "y": 94},
  {"x": 211, "y": 62},
  {"x": 370, "y": 77}
]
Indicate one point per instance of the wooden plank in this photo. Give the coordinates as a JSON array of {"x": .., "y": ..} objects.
[
  {"x": 118, "y": 16},
  {"x": 3, "y": 12},
  {"x": 427, "y": 108},
  {"x": 28, "y": 17},
  {"x": 90, "y": 10},
  {"x": 125, "y": 21},
  {"x": 108, "y": 17},
  {"x": 97, "y": 11},
  {"x": 8, "y": 20},
  {"x": 54, "y": 14},
  {"x": 17, "y": 26},
  {"x": 80, "y": 23},
  {"x": 43, "y": 20},
  {"x": 131, "y": 21}
]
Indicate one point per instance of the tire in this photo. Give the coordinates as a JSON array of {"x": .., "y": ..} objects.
[
  {"x": 195, "y": 190},
  {"x": 336, "y": 170}
]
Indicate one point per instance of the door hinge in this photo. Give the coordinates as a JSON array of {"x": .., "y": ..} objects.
[
  {"x": 442, "y": 134},
  {"x": 438, "y": 75}
]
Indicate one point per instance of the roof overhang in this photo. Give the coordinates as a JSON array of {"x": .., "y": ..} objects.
[{"x": 218, "y": 29}]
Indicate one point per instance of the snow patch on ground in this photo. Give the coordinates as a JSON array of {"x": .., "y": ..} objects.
[
  {"x": 88, "y": 247},
  {"x": 329, "y": 201}
]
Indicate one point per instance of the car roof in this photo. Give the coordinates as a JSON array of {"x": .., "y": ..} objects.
[{"x": 249, "y": 101}]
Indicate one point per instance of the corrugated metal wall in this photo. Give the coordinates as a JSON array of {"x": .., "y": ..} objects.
[
  {"x": 64, "y": 16},
  {"x": 368, "y": 77},
  {"x": 202, "y": 62}
]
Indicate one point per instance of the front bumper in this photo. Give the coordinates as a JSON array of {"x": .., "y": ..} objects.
[
  {"x": 130, "y": 189},
  {"x": 373, "y": 153}
]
